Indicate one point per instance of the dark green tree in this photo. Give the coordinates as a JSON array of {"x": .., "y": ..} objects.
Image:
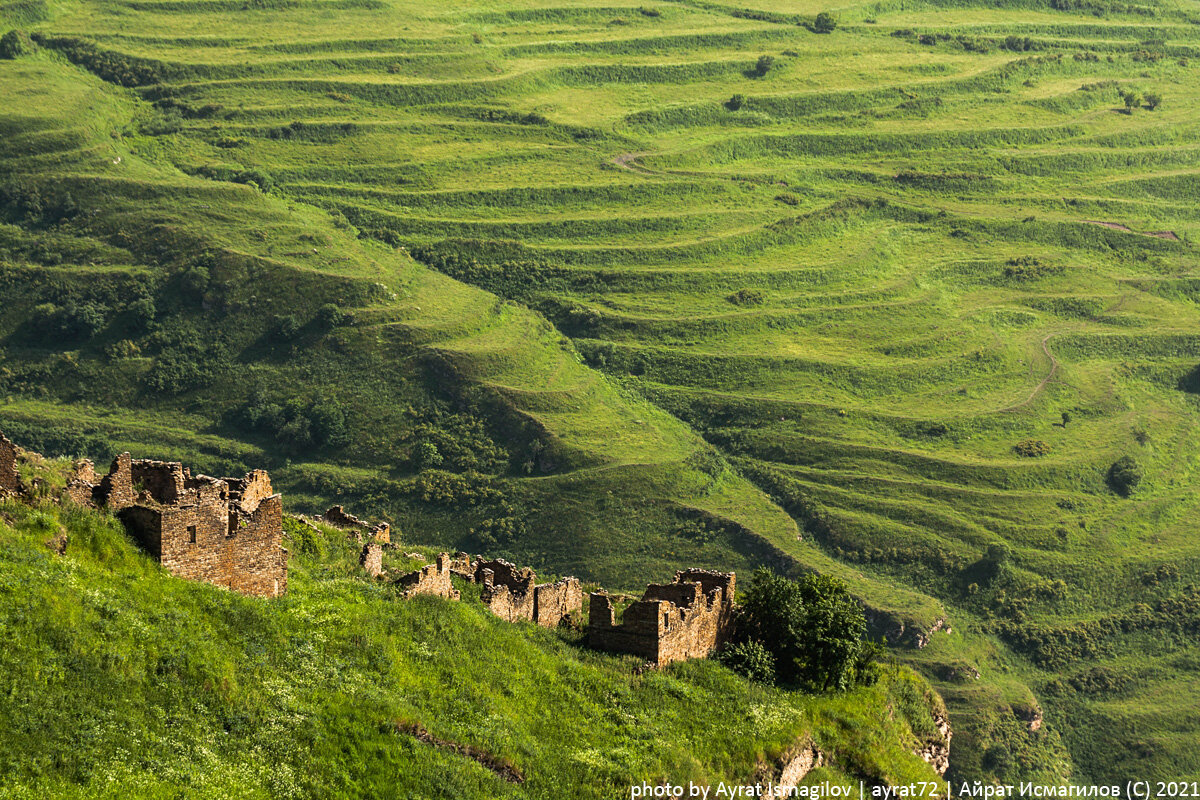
[
  {"x": 14, "y": 44},
  {"x": 824, "y": 23},
  {"x": 1124, "y": 475},
  {"x": 812, "y": 628}
]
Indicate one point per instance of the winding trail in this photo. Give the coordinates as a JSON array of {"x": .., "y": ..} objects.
[{"x": 1038, "y": 389}]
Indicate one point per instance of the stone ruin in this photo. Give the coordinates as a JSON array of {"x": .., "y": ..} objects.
[
  {"x": 689, "y": 618},
  {"x": 431, "y": 579},
  {"x": 513, "y": 593},
  {"x": 223, "y": 531},
  {"x": 340, "y": 518},
  {"x": 10, "y": 481}
]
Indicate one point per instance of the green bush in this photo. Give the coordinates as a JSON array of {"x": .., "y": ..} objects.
[
  {"x": 15, "y": 44},
  {"x": 1031, "y": 448},
  {"x": 824, "y": 23},
  {"x": 751, "y": 659},
  {"x": 812, "y": 627},
  {"x": 746, "y": 297},
  {"x": 736, "y": 102},
  {"x": 1124, "y": 475},
  {"x": 763, "y": 65}
]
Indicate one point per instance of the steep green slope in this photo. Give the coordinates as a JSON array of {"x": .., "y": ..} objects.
[
  {"x": 121, "y": 681},
  {"x": 873, "y": 275}
]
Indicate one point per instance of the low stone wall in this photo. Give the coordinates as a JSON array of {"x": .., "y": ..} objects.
[
  {"x": 431, "y": 579},
  {"x": 688, "y": 618}
]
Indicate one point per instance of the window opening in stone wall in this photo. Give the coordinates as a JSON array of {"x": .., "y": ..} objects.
[{"x": 192, "y": 534}]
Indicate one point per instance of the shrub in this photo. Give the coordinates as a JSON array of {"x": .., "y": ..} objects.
[
  {"x": 735, "y": 102},
  {"x": 1031, "y": 448},
  {"x": 1153, "y": 100},
  {"x": 751, "y": 659},
  {"x": 824, "y": 23},
  {"x": 812, "y": 627},
  {"x": 746, "y": 297},
  {"x": 15, "y": 44},
  {"x": 330, "y": 316},
  {"x": 142, "y": 313},
  {"x": 763, "y": 65},
  {"x": 1124, "y": 475},
  {"x": 285, "y": 327},
  {"x": 1132, "y": 101}
]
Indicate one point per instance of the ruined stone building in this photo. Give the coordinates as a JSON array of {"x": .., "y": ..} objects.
[
  {"x": 10, "y": 482},
  {"x": 223, "y": 531},
  {"x": 688, "y": 618},
  {"x": 431, "y": 579},
  {"x": 513, "y": 593},
  {"x": 340, "y": 518}
]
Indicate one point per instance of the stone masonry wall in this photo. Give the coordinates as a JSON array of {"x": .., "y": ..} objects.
[
  {"x": 513, "y": 593},
  {"x": 507, "y": 589},
  {"x": 371, "y": 559},
  {"x": 553, "y": 603},
  {"x": 224, "y": 531},
  {"x": 10, "y": 482},
  {"x": 431, "y": 579},
  {"x": 341, "y": 518},
  {"x": 688, "y": 618}
]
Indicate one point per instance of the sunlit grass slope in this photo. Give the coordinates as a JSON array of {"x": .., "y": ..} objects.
[
  {"x": 871, "y": 273},
  {"x": 124, "y": 681}
]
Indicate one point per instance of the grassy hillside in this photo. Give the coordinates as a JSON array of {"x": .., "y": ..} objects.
[
  {"x": 653, "y": 300},
  {"x": 122, "y": 680}
]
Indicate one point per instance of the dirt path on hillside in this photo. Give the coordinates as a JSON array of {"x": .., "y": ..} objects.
[
  {"x": 1116, "y": 226},
  {"x": 1038, "y": 389},
  {"x": 629, "y": 163}
]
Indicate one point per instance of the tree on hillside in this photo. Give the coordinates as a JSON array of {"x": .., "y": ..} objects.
[
  {"x": 1132, "y": 101},
  {"x": 1153, "y": 100},
  {"x": 1066, "y": 418},
  {"x": 763, "y": 65},
  {"x": 735, "y": 102},
  {"x": 824, "y": 23},
  {"x": 14, "y": 44},
  {"x": 807, "y": 632},
  {"x": 1124, "y": 475}
]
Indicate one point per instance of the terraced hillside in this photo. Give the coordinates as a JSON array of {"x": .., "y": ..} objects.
[{"x": 667, "y": 282}]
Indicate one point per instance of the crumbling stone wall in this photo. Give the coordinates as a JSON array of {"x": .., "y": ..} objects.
[
  {"x": 553, "y": 603},
  {"x": 82, "y": 484},
  {"x": 116, "y": 488},
  {"x": 371, "y": 559},
  {"x": 431, "y": 579},
  {"x": 224, "y": 531},
  {"x": 688, "y": 618},
  {"x": 339, "y": 517},
  {"x": 507, "y": 589},
  {"x": 513, "y": 593},
  {"x": 462, "y": 566},
  {"x": 10, "y": 482}
]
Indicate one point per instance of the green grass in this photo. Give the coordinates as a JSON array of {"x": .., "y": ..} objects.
[
  {"x": 122, "y": 679},
  {"x": 537, "y": 215}
]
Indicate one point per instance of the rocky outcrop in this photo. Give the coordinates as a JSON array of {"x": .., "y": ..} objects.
[
  {"x": 935, "y": 750},
  {"x": 780, "y": 777},
  {"x": 885, "y": 625}
]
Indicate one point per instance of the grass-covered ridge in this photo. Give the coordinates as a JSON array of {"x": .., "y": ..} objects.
[
  {"x": 124, "y": 680},
  {"x": 666, "y": 307}
]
